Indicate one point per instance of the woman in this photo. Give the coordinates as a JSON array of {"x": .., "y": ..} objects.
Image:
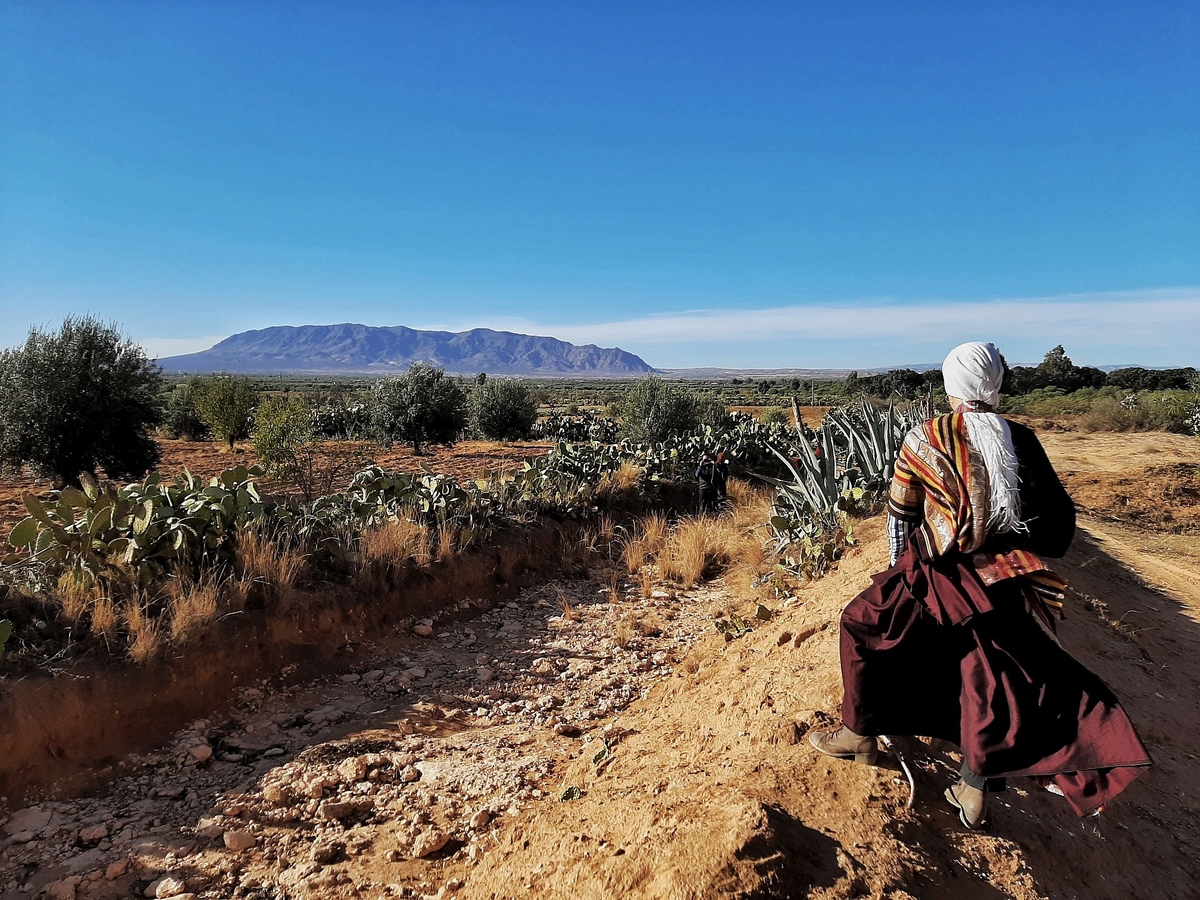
[{"x": 956, "y": 640}]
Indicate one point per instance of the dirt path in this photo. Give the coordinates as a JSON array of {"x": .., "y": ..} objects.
[{"x": 400, "y": 773}]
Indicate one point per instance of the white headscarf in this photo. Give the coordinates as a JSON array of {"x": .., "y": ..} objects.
[{"x": 973, "y": 372}]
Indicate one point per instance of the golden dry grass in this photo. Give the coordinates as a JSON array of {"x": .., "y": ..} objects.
[
  {"x": 648, "y": 537},
  {"x": 391, "y": 545},
  {"x": 696, "y": 547},
  {"x": 77, "y": 590},
  {"x": 564, "y": 602},
  {"x": 268, "y": 567},
  {"x": 447, "y": 541},
  {"x": 104, "y": 616},
  {"x": 193, "y": 606},
  {"x": 145, "y": 632}
]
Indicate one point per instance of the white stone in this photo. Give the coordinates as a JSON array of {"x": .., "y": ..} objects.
[
  {"x": 239, "y": 840},
  {"x": 429, "y": 841},
  {"x": 169, "y": 886}
]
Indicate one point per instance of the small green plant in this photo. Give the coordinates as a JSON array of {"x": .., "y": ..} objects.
[{"x": 225, "y": 404}]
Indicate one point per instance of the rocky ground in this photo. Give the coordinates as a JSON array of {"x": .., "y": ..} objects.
[{"x": 416, "y": 757}]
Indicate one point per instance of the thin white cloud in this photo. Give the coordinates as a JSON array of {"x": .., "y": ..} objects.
[
  {"x": 158, "y": 347},
  {"x": 1133, "y": 319}
]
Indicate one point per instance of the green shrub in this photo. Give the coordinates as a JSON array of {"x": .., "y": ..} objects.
[
  {"x": 289, "y": 448},
  {"x": 225, "y": 404},
  {"x": 775, "y": 416},
  {"x": 502, "y": 409},
  {"x": 654, "y": 410},
  {"x": 182, "y": 420},
  {"x": 77, "y": 399},
  {"x": 419, "y": 407}
]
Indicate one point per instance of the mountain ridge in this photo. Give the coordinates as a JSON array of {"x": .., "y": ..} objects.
[{"x": 353, "y": 349}]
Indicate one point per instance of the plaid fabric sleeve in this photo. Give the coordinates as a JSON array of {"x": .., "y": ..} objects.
[
  {"x": 899, "y": 531},
  {"x": 906, "y": 496}
]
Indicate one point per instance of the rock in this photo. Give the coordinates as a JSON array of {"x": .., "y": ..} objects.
[
  {"x": 33, "y": 819},
  {"x": 274, "y": 751},
  {"x": 410, "y": 774},
  {"x": 565, "y": 729},
  {"x": 277, "y": 794},
  {"x": 61, "y": 890},
  {"x": 93, "y": 834},
  {"x": 239, "y": 840},
  {"x": 429, "y": 841},
  {"x": 201, "y": 752},
  {"x": 481, "y": 819},
  {"x": 169, "y": 886},
  {"x": 328, "y": 853},
  {"x": 84, "y": 862},
  {"x": 484, "y": 674},
  {"x": 116, "y": 870},
  {"x": 372, "y": 676},
  {"x": 352, "y": 770},
  {"x": 423, "y": 630},
  {"x": 332, "y": 811},
  {"x": 350, "y": 678}
]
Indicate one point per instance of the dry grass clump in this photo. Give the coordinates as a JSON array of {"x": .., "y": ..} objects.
[
  {"x": 568, "y": 611},
  {"x": 193, "y": 607},
  {"x": 145, "y": 632},
  {"x": 696, "y": 547},
  {"x": 447, "y": 541},
  {"x": 272, "y": 569},
  {"x": 391, "y": 545},
  {"x": 77, "y": 590},
  {"x": 104, "y": 617},
  {"x": 624, "y": 479},
  {"x": 648, "y": 538}
]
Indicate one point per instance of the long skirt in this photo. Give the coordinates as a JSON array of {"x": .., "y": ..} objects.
[{"x": 930, "y": 650}]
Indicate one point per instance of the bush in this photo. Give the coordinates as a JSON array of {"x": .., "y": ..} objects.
[
  {"x": 420, "y": 407},
  {"x": 502, "y": 409},
  {"x": 653, "y": 410},
  {"x": 182, "y": 419},
  {"x": 1148, "y": 411},
  {"x": 775, "y": 416},
  {"x": 289, "y": 449},
  {"x": 225, "y": 404},
  {"x": 81, "y": 398}
]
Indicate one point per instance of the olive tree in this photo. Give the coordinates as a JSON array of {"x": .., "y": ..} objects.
[
  {"x": 502, "y": 409},
  {"x": 77, "y": 399},
  {"x": 225, "y": 404},
  {"x": 422, "y": 406},
  {"x": 654, "y": 410}
]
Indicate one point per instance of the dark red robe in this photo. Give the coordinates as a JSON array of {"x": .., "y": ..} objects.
[{"x": 930, "y": 650}]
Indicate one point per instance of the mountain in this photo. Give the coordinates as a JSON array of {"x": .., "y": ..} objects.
[{"x": 362, "y": 349}]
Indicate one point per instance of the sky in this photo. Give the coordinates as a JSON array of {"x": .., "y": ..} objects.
[{"x": 704, "y": 184}]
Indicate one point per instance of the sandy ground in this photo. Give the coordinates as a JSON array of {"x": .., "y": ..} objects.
[{"x": 442, "y": 768}]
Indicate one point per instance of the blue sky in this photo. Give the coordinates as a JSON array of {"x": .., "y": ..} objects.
[{"x": 760, "y": 185}]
